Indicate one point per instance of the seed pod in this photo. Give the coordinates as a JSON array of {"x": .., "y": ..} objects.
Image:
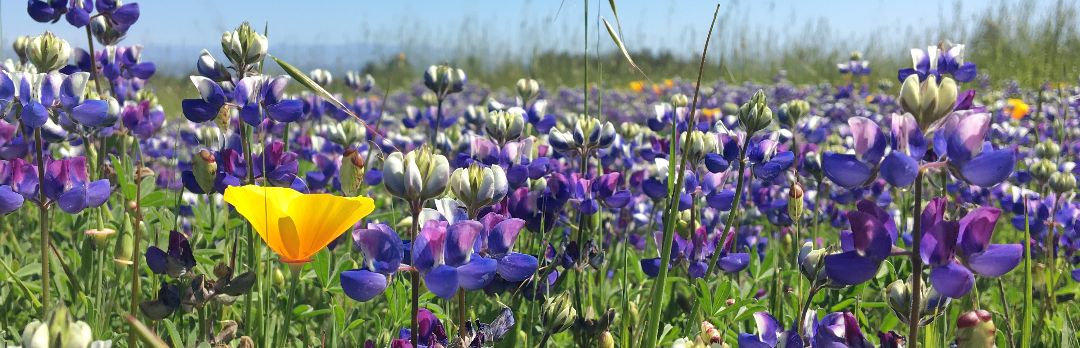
[{"x": 975, "y": 329}]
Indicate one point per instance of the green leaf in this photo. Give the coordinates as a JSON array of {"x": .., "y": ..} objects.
[
  {"x": 842, "y": 305},
  {"x": 301, "y": 309},
  {"x": 622, "y": 48},
  {"x": 321, "y": 265},
  {"x": 618, "y": 23},
  {"x": 174, "y": 335},
  {"x": 155, "y": 199},
  {"x": 354, "y": 324},
  {"x": 314, "y": 313}
]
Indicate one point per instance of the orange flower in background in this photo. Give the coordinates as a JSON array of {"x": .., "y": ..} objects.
[
  {"x": 637, "y": 86},
  {"x": 296, "y": 225},
  {"x": 1017, "y": 108}
]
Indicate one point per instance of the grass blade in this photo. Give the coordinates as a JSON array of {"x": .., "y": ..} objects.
[{"x": 622, "y": 48}]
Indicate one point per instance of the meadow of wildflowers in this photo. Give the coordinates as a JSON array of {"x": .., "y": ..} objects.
[{"x": 929, "y": 209}]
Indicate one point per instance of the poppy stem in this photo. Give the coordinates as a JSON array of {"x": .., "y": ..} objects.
[
  {"x": 43, "y": 223},
  {"x": 916, "y": 264},
  {"x": 289, "y": 300}
]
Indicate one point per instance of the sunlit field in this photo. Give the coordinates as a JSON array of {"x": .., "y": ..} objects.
[{"x": 741, "y": 194}]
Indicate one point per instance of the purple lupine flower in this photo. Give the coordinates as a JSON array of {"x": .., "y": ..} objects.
[
  {"x": 142, "y": 118},
  {"x": 66, "y": 184},
  {"x": 262, "y": 96},
  {"x": 208, "y": 105},
  {"x": 970, "y": 157},
  {"x": 837, "y": 330},
  {"x": 766, "y": 163},
  {"x": 175, "y": 262},
  {"x": 12, "y": 144},
  {"x": 279, "y": 167},
  {"x": 12, "y": 175},
  {"x": 324, "y": 173},
  {"x": 898, "y": 168},
  {"x": 868, "y": 243},
  {"x": 46, "y": 11},
  {"x": 121, "y": 16},
  {"x": 955, "y": 250},
  {"x": 443, "y": 254},
  {"x": 38, "y": 93},
  {"x": 771, "y": 334},
  {"x": 945, "y": 60},
  {"x": 496, "y": 241},
  {"x": 383, "y": 253},
  {"x": 430, "y": 332}
]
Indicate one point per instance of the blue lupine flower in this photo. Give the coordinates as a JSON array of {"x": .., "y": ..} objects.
[
  {"x": 937, "y": 61},
  {"x": 383, "y": 253}
]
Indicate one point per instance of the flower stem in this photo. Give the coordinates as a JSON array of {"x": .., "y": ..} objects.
[
  {"x": 916, "y": 264},
  {"x": 43, "y": 223},
  {"x": 93, "y": 61},
  {"x": 1005, "y": 310},
  {"x": 729, "y": 225},
  {"x": 415, "y": 278},
  {"x": 137, "y": 256},
  {"x": 461, "y": 314},
  {"x": 435, "y": 126},
  {"x": 289, "y": 300},
  {"x": 656, "y": 301},
  {"x": 1025, "y": 331}
]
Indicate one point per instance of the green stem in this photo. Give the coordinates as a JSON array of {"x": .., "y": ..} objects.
[
  {"x": 1025, "y": 332},
  {"x": 660, "y": 284},
  {"x": 729, "y": 225},
  {"x": 93, "y": 62},
  {"x": 43, "y": 223},
  {"x": 289, "y": 301},
  {"x": 435, "y": 126},
  {"x": 916, "y": 264},
  {"x": 1005, "y": 310},
  {"x": 137, "y": 255},
  {"x": 415, "y": 280}
]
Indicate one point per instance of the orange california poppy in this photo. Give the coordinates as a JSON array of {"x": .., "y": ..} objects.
[{"x": 296, "y": 225}]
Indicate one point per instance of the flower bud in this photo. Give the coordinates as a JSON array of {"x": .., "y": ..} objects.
[
  {"x": 244, "y": 46},
  {"x": 755, "y": 114},
  {"x": 700, "y": 144},
  {"x": 351, "y": 173},
  {"x": 125, "y": 247},
  {"x": 505, "y": 126},
  {"x": 811, "y": 263},
  {"x": 1042, "y": 170},
  {"x": 20, "y": 45},
  {"x": 795, "y": 201},
  {"x": 910, "y": 97},
  {"x": 105, "y": 32},
  {"x": 559, "y": 313},
  {"x": 898, "y": 296},
  {"x": 606, "y": 340},
  {"x": 1062, "y": 182},
  {"x": 204, "y": 167},
  {"x": 477, "y": 187},
  {"x": 795, "y": 110},
  {"x": 321, "y": 77},
  {"x": 444, "y": 80},
  {"x": 527, "y": 89},
  {"x": 417, "y": 176},
  {"x": 709, "y": 333},
  {"x": 679, "y": 100},
  {"x": 35, "y": 335},
  {"x": 360, "y": 84},
  {"x": 975, "y": 329},
  {"x": 47, "y": 52},
  {"x": 279, "y": 277},
  {"x": 1047, "y": 150}
]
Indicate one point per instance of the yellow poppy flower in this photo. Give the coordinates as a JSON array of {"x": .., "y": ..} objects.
[
  {"x": 1017, "y": 108},
  {"x": 637, "y": 86},
  {"x": 296, "y": 225}
]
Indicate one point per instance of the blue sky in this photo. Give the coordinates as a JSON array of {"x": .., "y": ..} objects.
[{"x": 342, "y": 30}]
